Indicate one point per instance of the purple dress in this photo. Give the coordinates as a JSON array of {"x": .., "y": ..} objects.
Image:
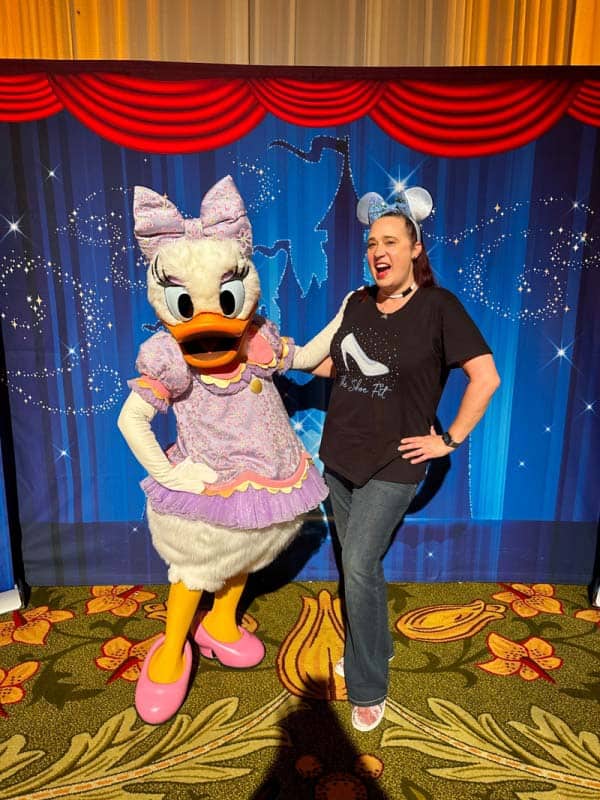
[{"x": 235, "y": 422}]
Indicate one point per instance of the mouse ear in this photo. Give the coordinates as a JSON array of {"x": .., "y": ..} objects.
[
  {"x": 420, "y": 202},
  {"x": 366, "y": 202}
]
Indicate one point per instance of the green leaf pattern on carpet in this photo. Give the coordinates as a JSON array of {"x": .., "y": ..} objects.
[
  {"x": 186, "y": 752},
  {"x": 452, "y": 728}
]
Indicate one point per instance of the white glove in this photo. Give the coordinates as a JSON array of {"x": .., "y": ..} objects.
[
  {"x": 189, "y": 476},
  {"x": 134, "y": 423},
  {"x": 310, "y": 355}
]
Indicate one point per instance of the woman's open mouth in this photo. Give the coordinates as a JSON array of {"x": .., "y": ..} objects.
[{"x": 382, "y": 269}]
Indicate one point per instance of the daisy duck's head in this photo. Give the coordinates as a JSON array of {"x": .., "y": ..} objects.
[{"x": 201, "y": 281}]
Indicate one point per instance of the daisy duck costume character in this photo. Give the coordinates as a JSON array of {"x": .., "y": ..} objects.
[{"x": 230, "y": 494}]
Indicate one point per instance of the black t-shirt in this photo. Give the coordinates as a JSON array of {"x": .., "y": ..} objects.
[{"x": 391, "y": 370}]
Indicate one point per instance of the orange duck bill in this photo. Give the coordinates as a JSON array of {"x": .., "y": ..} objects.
[{"x": 211, "y": 340}]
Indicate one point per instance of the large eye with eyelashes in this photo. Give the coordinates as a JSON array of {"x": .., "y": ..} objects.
[
  {"x": 232, "y": 297},
  {"x": 179, "y": 302}
]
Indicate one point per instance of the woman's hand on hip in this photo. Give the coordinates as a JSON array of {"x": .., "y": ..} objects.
[{"x": 417, "y": 449}]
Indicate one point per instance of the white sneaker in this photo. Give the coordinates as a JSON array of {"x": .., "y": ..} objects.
[
  {"x": 339, "y": 666},
  {"x": 365, "y": 718}
]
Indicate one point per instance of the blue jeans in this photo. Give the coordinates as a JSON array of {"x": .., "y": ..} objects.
[{"x": 365, "y": 520}]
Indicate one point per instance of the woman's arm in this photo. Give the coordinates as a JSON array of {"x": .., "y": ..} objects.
[
  {"x": 483, "y": 380},
  {"x": 325, "y": 369},
  {"x": 312, "y": 355}
]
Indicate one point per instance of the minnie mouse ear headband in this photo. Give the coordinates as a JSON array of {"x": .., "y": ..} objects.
[
  {"x": 415, "y": 204},
  {"x": 222, "y": 216}
]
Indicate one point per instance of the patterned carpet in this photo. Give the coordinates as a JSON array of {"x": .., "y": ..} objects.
[{"x": 494, "y": 695}]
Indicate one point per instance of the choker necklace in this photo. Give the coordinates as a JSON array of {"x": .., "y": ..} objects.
[{"x": 405, "y": 293}]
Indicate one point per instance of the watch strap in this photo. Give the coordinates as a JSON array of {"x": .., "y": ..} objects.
[{"x": 449, "y": 441}]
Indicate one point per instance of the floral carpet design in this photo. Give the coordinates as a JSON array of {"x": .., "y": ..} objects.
[{"x": 494, "y": 694}]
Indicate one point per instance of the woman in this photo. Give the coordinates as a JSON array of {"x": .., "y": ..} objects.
[{"x": 390, "y": 347}]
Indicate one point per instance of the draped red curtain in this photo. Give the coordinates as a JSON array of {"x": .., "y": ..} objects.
[
  {"x": 26, "y": 97},
  {"x": 437, "y": 117},
  {"x": 161, "y": 116},
  {"x": 461, "y": 120}
]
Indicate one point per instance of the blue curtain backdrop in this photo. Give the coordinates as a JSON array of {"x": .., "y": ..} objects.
[
  {"x": 7, "y": 578},
  {"x": 514, "y": 235}
]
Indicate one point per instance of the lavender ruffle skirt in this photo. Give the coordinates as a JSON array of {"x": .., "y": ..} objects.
[{"x": 252, "y": 509}]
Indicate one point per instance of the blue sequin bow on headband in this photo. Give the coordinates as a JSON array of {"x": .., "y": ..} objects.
[
  {"x": 415, "y": 204},
  {"x": 378, "y": 207}
]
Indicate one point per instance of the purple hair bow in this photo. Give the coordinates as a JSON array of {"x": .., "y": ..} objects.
[{"x": 222, "y": 216}]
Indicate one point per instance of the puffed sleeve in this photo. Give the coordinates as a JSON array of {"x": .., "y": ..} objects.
[
  {"x": 268, "y": 348},
  {"x": 164, "y": 374}
]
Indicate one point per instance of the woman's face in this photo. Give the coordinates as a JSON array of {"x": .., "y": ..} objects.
[{"x": 390, "y": 254}]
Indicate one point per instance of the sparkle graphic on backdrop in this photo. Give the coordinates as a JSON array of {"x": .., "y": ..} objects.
[
  {"x": 268, "y": 187},
  {"x": 28, "y": 316},
  {"x": 89, "y": 223},
  {"x": 541, "y": 289}
]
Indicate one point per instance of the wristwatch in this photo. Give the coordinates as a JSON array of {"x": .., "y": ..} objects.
[{"x": 449, "y": 441}]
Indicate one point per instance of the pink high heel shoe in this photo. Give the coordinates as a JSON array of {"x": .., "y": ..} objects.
[
  {"x": 158, "y": 702},
  {"x": 248, "y": 651}
]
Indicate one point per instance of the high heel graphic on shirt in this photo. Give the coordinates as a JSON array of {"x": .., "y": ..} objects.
[{"x": 368, "y": 367}]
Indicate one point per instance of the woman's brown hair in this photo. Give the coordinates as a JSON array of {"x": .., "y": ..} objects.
[{"x": 423, "y": 273}]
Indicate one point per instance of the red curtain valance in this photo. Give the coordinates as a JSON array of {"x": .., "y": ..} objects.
[
  {"x": 161, "y": 116},
  {"x": 441, "y": 117}
]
